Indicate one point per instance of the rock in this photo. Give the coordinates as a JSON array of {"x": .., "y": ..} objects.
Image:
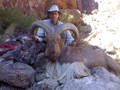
[
  {"x": 27, "y": 44},
  {"x": 7, "y": 87},
  {"x": 12, "y": 54},
  {"x": 2, "y": 51},
  {"x": 1, "y": 59},
  {"x": 79, "y": 5},
  {"x": 105, "y": 28},
  {"x": 8, "y": 45},
  {"x": 17, "y": 74},
  {"x": 40, "y": 76},
  {"x": 70, "y": 15},
  {"x": 63, "y": 4},
  {"x": 8, "y": 32},
  {"x": 100, "y": 80},
  {"x": 41, "y": 61},
  {"x": 24, "y": 40},
  {"x": 89, "y": 6},
  {"x": 32, "y": 53},
  {"x": 60, "y": 87},
  {"x": 47, "y": 84},
  {"x": 84, "y": 31}
]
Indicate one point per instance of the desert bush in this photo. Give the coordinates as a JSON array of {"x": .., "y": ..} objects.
[
  {"x": 66, "y": 17},
  {"x": 43, "y": 16},
  {"x": 14, "y": 15},
  {"x": 8, "y": 16},
  {"x": 25, "y": 22}
]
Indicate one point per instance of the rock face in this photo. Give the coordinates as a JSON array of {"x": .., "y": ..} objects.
[
  {"x": 105, "y": 27},
  {"x": 17, "y": 74},
  {"x": 100, "y": 79},
  {"x": 79, "y": 4},
  {"x": 89, "y": 5},
  {"x": 46, "y": 84},
  {"x": 37, "y": 7}
]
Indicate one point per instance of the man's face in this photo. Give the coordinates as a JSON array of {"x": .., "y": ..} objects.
[{"x": 54, "y": 16}]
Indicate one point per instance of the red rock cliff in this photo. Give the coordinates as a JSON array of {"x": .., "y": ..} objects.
[{"x": 39, "y": 6}]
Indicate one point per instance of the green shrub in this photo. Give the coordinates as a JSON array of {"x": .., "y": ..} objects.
[
  {"x": 14, "y": 15},
  {"x": 43, "y": 15},
  {"x": 1, "y": 30},
  {"x": 25, "y": 22},
  {"x": 66, "y": 17},
  {"x": 8, "y": 16}
]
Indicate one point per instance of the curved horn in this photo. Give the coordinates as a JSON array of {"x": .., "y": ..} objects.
[
  {"x": 67, "y": 26},
  {"x": 40, "y": 23}
]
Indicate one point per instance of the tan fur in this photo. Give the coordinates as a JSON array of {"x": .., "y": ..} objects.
[
  {"x": 88, "y": 56},
  {"x": 57, "y": 51},
  {"x": 67, "y": 71}
]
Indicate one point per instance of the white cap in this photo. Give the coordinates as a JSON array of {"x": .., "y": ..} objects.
[{"x": 53, "y": 8}]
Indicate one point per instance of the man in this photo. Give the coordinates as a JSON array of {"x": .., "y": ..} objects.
[
  {"x": 55, "y": 70},
  {"x": 53, "y": 14}
]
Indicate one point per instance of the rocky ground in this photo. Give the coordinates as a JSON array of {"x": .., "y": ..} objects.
[
  {"x": 102, "y": 30},
  {"x": 105, "y": 28}
]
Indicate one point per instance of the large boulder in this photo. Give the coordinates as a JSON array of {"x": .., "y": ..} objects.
[
  {"x": 71, "y": 15},
  {"x": 32, "y": 53},
  {"x": 4, "y": 86},
  {"x": 89, "y": 5},
  {"x": 79, "y": 4},
  {"x": 12, "y": 54},
  {"x": 100, "y": 79},
  {"x": 2, "y": 51},
  {"x": 46, "y": 84},
  {"x": 17, "y": 74}
]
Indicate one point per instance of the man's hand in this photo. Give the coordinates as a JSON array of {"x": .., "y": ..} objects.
[
  {"x": 73, "y": 44},
  {"x": 34, "y": 38}
]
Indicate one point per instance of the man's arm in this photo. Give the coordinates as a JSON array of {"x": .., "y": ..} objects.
[
  {"x": 40, "y": 34},
  {"x": 70, "y": 39}
]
